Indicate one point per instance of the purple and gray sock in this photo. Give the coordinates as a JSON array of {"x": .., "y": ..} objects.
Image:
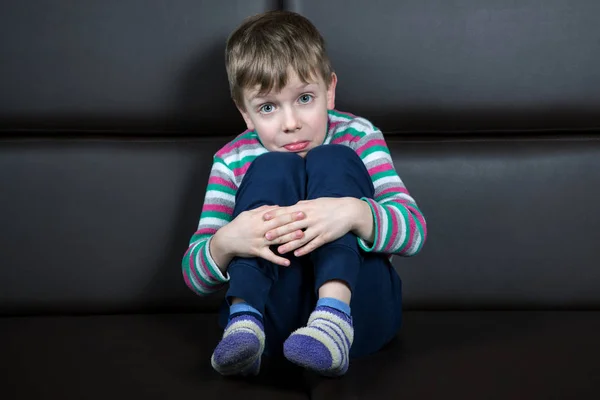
[
  {"x": 324, "y": 344},
  {"x": 240, "y": 350}
]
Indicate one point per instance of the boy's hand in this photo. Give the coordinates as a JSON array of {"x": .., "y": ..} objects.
[
  {"x": 327, "y": 219},
  {"x": 245, "y": 236}
]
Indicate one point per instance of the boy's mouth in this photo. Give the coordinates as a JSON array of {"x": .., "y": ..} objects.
[{"x": 298, "y": 146}]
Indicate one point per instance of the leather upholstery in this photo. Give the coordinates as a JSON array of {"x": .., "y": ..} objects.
[
  {"x": 101, "y": 225},
  {"x": 466, "y": 64},
  {"x": 136, "y": 65}
]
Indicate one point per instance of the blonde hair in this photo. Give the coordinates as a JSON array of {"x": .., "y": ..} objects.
[{"x": 261, "y": 51}]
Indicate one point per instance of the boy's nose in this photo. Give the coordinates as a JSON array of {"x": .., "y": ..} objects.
[{"x": 290, "y": 122}]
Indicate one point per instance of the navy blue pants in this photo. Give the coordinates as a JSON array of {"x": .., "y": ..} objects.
[{"x": 287, "y": 295}]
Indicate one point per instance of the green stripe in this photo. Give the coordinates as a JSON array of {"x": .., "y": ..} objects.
[
  {"x": 247, "y": 135},
  {"x": 420, "y": 228},
  {"x": 383, "y": 174},
  {"x": 242, "y": 162},
  {"x": 337, "y": 114},
  {"x": 350, "y": 130},
  {"x": 215, "y": 214},
  {"x": 220, "y": 188},
  {"x": 388, "y": 233},
  {"x": 373, "y": 149},
  {"x": 386, "y": 196}
]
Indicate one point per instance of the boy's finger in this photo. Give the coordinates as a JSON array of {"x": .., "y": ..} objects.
[
  {"x": 285, "y": 227},
  {"x": 295, "y": 235},
  {"x": 280, "y": 211},
  {"x": 270, "y": 256}
]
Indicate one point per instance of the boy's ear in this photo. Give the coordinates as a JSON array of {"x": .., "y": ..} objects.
[
  {"x": 331, "y": 92},
  {"x": 246, "y": 117}
]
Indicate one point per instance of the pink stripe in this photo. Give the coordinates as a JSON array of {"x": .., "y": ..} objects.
[
  {"x": 380, "y": 168},
  {"x": 348, "y": 137},
  {"x": 218, "y": 208},
  {"x": 412, "y": 227},
  {"x": 215, "y": 180},
  {"x": 236, "y": 144},
  {"x": 421, "y": 221},
  {"x": 369, "y": 144},
  {"x": 241, "y": 170},
  {"x": 395, "y": 189},
  {"x": 202, "y": 265},
  {"x": 395, "y": 228},
  {"x": 195, "y": 274},
  {"x": 332, "y": 125},
  {"x": 205, "y": 265},
  {"x": 205, "y": 231}
]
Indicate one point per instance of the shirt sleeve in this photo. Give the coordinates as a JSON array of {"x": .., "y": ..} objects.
[
  {"x": 200, "y": 272},
  {"x": 400, "y": 226}
]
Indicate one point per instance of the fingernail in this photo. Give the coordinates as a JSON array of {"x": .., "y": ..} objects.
[
  {"x": 269, "y": 236},
  {"x": 297, "y": 254},
  {"x": 267, "y": 217},
  {"x": 300, "y": 214}
]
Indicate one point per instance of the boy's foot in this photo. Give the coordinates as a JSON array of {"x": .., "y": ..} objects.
[
  {"x": 324, "y": 344},
  {"x": 240, "y": 350}
]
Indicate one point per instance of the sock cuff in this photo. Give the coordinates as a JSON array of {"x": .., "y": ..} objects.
[
  {"x": 243, "y": 308},
  {"x": 334, "y": 303}
]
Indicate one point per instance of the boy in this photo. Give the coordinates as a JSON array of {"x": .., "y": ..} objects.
[{"x": 302, "y": 213}]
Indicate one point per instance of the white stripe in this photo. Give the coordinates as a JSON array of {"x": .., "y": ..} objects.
[
  {"x": 376, "y": 156},
  {"x": 223, "y": 169},
  {"x": 200, "y": 270},
  {"x": 387, "y": 179},
  {"x": 396, "y": 197},
  {"x": 240, "y": 154},
  {"x": 216, "y": 194},
  {"x": 213, "y": 221},
  {"x": 383, "y": 226},
  {"x": 213, "y": 264},
  {"x": 335, "y": 331},
  {"x": 402, "y": 228}
]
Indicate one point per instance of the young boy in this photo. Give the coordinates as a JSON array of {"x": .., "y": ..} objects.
[{"x": 302, "y": 213}]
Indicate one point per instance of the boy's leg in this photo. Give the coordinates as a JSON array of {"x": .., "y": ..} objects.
[
  {"x": 273, "y": 178},
  {"x": 325, "y": 344}
]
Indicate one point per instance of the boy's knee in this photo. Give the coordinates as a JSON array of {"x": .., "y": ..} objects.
[
  {"x": 333, "y": 160},
  {"x": 274, "y": 161},
  {"x": 330, "y": 153}
]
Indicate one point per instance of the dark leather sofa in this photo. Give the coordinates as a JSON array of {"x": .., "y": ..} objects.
[{"x": 111, "y": 110}]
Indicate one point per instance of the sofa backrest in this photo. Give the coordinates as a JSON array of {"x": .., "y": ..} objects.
[{"x": 110, "y": 114}]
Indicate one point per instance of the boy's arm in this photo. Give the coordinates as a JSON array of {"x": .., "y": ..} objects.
[
  {"x": 202, "y": 274},
  {"x": 399, "y": 227}
]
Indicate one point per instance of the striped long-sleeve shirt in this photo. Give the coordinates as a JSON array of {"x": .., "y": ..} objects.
[{"x": 400, "y": 227}]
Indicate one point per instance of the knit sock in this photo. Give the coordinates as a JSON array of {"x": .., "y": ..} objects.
[
  {"x": 240, "y": 350},
  {"x": 324, "y": 344}
]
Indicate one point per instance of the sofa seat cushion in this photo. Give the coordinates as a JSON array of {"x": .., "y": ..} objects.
[
  {"x": 126, "y": 357},
  {"x": 463, "y": 354}
]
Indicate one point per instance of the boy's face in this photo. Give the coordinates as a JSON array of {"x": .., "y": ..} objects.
[{"x": 293, "y": 119}]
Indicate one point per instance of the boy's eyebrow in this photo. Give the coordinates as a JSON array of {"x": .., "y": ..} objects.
[{"x": 254, "y": 96}]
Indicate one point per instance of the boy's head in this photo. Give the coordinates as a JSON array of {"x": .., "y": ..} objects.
[{"x": 281, "y": 80}]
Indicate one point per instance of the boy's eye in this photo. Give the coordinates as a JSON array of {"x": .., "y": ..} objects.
[
  {"x": 266, "y": 109},
  {"x": 305, "y": 98}
]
